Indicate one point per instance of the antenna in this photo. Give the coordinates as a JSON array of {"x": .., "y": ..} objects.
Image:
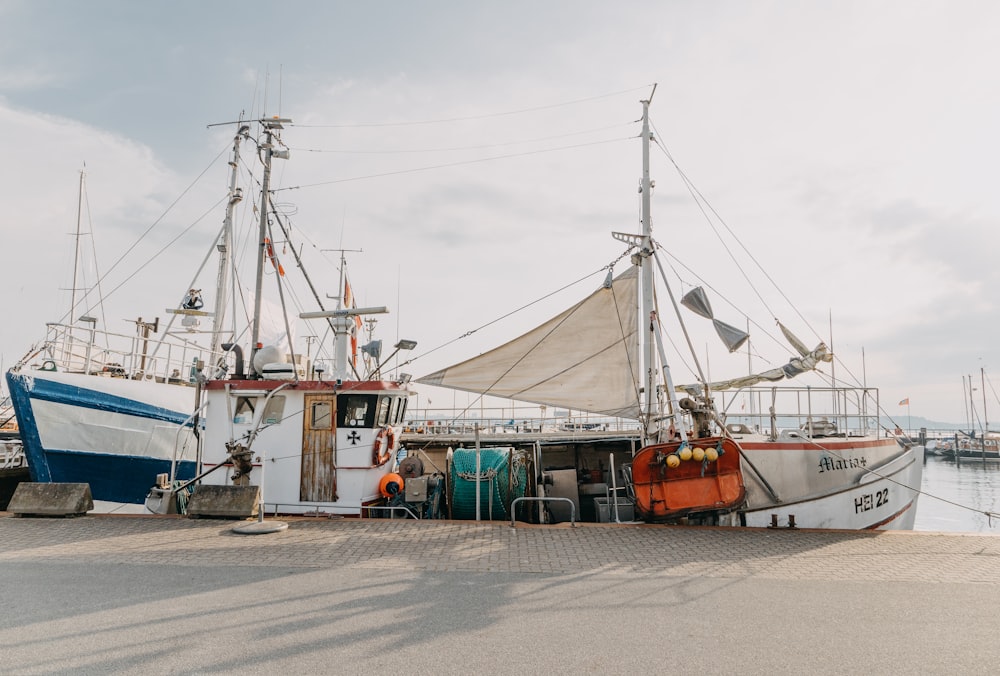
[{"x": 343, "y": 265}]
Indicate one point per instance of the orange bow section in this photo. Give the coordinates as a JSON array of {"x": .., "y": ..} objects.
[{"x": 683, "y": 477}]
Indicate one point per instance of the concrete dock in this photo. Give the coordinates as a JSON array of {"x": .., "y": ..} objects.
[{"x": 170, "y": 595}]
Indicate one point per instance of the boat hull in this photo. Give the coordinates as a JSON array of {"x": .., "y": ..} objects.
[
  {"x": 115, "y": 434},
  {"x": 836, "y": 483}
]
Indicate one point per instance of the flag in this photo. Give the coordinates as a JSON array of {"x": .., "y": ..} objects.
[
  {"x": 273, "y": 258},
  {"x": 349, "y": 304},
  {"x": 905, "y": 402}
]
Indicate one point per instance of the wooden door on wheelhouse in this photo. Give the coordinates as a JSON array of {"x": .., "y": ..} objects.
[{"x": 318, "y": 482}]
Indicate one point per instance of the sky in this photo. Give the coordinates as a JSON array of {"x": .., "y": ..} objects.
[{"x": 475, "y": 157}]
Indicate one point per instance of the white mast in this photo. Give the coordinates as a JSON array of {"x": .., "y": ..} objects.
[
  {"x": 647, "y": 309},
  {"x": 270, "y": 125},
  {"x": 225, "y": 244}
]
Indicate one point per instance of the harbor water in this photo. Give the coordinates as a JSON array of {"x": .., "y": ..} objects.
[{"x": 956, "y": 496}]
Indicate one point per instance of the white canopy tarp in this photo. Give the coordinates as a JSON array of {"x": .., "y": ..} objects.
[{"x": 585, "y": 359}]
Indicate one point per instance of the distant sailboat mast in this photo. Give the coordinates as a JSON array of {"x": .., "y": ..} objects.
[
  {"x": 72, "y": 318},
  {"x": 76, "y": 251}
]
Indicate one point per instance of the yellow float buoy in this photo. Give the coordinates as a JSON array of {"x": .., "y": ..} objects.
[
  {"x": 712, "y": 454},
  {"x": 685, "y": 453},
  {"x": 673, "y": 460},
  {"x": 698, "y": 454}
]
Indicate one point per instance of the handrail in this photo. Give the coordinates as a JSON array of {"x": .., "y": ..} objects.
[
  {"x": 572, "y": 508},
  {"x": 82, "y": 349},
  {"x": 390, "y": 508}
]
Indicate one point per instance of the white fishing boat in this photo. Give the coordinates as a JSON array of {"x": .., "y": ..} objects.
[
  {"x": 822, "y": 461},
  {"x": 113, "y": 410},
  {"x": 315, "y": 438}
]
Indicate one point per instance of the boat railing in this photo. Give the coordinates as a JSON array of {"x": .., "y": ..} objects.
[
  {"x": 772, "y": 411},
  {"x": 512, "y": 420},
  {"x": 84, "y": 349},
  {"x": 803, "y": 411}
]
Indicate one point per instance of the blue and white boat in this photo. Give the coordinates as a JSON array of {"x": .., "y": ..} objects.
[
  {"x": 111, "y": 432},
  {"x": 114, "y": 410}
]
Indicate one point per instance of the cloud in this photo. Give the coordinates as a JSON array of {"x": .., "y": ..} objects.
[
  {"x": 849, "y": 145},
  {"x": 126, "y": 190}
]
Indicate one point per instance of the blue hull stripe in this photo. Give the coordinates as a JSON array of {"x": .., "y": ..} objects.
[
  {"x": 115, "y": 478},
  {"x": 81, "y": 397}
]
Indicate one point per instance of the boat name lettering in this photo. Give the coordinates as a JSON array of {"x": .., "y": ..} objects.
[
  {"x": 828, "y": 464},
  {"x": 870, "y": 501}
]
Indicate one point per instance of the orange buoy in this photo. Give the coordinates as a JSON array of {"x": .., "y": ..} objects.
[{"x": 390, "y": 485}]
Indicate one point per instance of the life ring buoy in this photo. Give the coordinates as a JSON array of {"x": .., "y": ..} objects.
[{"x": 382, "y": 448}]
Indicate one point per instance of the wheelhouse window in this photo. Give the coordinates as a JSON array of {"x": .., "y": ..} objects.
[
  {"x": 384, "y": 405},
  {"x": 356, "y": 410},
  {"x": 398, "y": 413}
]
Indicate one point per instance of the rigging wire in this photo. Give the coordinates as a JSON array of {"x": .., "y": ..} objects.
[
  {"x": 700, "y": 200},
  {"x": 514, "y": 364},
  {"x": 485, "y": 116},
  {"x": 460, "y": 148},
  {"x": 511, "y": 313},
  {"x": 148, "y": 230},
  {"x": 447, "y": 165},
  {"x": 721, "y": 295},
  {"x": 169, "y": 244},
  {"x": 702, "y": 203}
]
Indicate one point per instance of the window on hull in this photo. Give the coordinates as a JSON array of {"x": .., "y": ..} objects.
[{"x": 246, "y": 407}]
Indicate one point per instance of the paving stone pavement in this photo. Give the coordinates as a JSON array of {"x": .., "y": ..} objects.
[
  {"x": 111, "y": 594},
  {"x": 497, "y": 547}
]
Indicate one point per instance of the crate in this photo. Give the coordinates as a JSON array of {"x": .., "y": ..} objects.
[{"x": 605, "y": 510}]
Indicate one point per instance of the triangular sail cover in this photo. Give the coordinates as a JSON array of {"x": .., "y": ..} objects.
[
  {"x": 732, "y": 337},
  {"x": 697, "y": 301},
  {"x": 585, "y": 359}
]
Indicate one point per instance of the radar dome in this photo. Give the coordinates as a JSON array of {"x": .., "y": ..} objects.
[{"x": 268, "y": 354}]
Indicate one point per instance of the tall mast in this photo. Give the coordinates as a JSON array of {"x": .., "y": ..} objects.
[
  {"x": 270, "y": 125},
  {"x": 647, "y": 308},
  {"x": 226, "y": 243},
  {"x": 76, "y": 250},
  {"x": 986, "y": 418}
]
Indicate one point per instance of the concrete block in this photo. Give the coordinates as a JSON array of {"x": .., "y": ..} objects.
[
  {"x": 226, "y": 502},
  {"x": 49, "y": 499}
]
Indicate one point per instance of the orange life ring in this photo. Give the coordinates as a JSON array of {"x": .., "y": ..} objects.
[{"x": 382, "y": 448}]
